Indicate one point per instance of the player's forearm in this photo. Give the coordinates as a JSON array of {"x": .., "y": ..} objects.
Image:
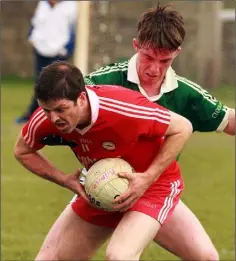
[
  {"x": 230, "y": 128},
  {"x": 36, "y": 163},
  {"x": 171, "y": 148}
]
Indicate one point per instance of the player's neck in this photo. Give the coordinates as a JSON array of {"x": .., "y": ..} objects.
[
  {"x": 86, "y": 117},
  {"x": 151, "y": 89}
]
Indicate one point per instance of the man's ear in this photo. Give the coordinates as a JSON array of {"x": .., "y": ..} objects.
[
  {"x": 178, "y": 51},
  {"x": 82, "y": 98},
  {"x": 135, "y": 44}
]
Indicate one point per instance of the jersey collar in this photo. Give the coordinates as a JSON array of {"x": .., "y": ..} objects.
[
  {"x": 170, "y": 83},
  {"x": 94, "y": 105}
]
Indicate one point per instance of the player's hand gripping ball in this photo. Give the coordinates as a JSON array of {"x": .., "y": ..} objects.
[{"x": 103, "y": 184}]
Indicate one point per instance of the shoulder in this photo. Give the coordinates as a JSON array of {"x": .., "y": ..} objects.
[
  {"x": 42, "y": 6},
  {"x": 195, "y": 92},
  {"x": 113, "y": 68},
  {"x": 39, "y": 122},
  {"x": 115, "y": 91},
  {"x": 38, "y": 116},
  {"x": 121, "y": 95},
  {"x": 189, "y": 87},
  {"x": 71, "y": 5}
]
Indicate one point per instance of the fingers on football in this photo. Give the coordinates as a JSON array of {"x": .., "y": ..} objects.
[
  {"x": 126, "y": 205},
  {"x": 120, "y": 206},
  {"x": 129, "y": 204},
  {"x": 77, "y": 173},
  {"x": 126, "y": 175},
  {"x": 82, "y": 193},
  {"x": 122, "y": 197},
  {"x": 123, "y": 200}
]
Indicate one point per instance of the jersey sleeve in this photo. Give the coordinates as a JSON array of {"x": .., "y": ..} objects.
[
  {"x": 207, "y": 113},
  {"x": 152, "y": 119},
  {"x": 137, "y": 116},
  {"x": 110, "y": 74},
  {"x": 35, "y": 129}
]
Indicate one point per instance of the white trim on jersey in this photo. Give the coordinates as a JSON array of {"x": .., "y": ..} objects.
[
  {"x": 107, "y": 69},
  {"x": 32, "y": 121},
  {"x": 168, "y": 202},
  {"x": 138, "y": 107},
  {"x": 94, "y": 103},
  {"x": 197, "y": 88},
  {"x": 135, "y": 112},
  {"x": 125, "y": 110},
  {"x": 106, "y": 72},
  {"x": 224, "y": 122},
  {"x": 35, "y": 128},
  {"x": 36, "y": 121},
  {"x": 73, "y": 199}
]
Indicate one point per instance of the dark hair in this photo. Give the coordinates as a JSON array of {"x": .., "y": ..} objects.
[
  {"x": 159, "y": 28},
  {"x": 59, "y": 80}
]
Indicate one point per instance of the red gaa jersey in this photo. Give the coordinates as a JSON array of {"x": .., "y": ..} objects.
[{"x": 123, "y": 124}]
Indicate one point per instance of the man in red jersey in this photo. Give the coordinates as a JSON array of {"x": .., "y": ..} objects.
[{"x": 102, "y": 122}]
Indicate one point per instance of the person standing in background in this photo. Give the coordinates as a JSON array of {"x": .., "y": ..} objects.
[{"x": 52, "y": 36}]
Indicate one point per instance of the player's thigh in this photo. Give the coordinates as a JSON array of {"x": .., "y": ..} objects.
[
  {"x": 131, "y": 236},
  {"x": 184, "y": 236},
  {"x": 72, "y": 238}
]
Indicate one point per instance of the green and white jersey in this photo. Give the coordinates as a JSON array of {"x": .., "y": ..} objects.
[{"x": 178, "y": 94}]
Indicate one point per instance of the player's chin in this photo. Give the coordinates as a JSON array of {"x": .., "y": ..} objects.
[
  {"x": 152, "y": 79},
  {"x": 66, "y": 130}
]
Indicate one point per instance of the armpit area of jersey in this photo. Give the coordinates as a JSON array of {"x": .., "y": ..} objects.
[{"x": 54, "y": 140}]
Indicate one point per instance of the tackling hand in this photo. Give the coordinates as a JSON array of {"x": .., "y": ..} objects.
[{"x": 138, "y": 184}]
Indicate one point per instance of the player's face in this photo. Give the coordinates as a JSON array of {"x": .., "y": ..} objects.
[
  {"x": 152, "y": 64},
  {"x": 65, "y": 114}
]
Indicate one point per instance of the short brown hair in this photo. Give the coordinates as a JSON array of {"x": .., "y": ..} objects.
[
  {"x": 160, "y": 28},
  {"x": 59, "y": 80}
]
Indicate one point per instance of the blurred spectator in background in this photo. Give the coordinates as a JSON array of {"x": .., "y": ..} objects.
[{"x": 52, "y": 36}]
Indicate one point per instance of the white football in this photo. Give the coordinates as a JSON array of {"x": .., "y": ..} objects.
[{"x": 102, "y": 183}]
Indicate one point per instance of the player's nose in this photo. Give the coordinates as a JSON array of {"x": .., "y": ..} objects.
[
  {"x": 155, "y": 68},
  {"x": 53, "y": 116}
]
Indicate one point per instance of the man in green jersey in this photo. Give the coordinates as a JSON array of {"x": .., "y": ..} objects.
[{"x": 159, "y": 38}]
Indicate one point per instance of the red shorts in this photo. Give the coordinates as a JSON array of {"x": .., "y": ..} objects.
[{"x": 158, "y": 201}]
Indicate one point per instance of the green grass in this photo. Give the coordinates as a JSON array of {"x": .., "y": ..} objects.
[{"x": 30, "y": 205}]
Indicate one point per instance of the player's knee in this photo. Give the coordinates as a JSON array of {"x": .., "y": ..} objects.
[{"x": 116, "y": 253}]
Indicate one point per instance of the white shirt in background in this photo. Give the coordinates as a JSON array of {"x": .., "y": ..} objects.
[{"x": 52, "y": 27}]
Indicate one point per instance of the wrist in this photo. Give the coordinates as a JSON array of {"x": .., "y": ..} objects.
[
  {"x": 150, "y": 177},
  {"x": 62, "y": 179}
]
